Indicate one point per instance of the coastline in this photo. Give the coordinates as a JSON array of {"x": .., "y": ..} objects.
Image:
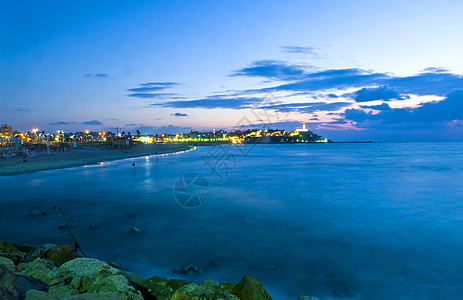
[{"x": 86, "y": 156}]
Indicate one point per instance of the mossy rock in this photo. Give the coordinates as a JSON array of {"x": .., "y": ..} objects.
[
  {"x": 44, "y": 270},
  {"x": 63, "y": 290},
  {"x": 28, "y": 250},
  {"x": 117, "y": 284},
  {"x": 39, "y": 295},
  {"x": 194, "y": 291},
  {"x": 7, "y": 263},
  {"x": 227, "y": 286},
  {"x": 89, "y": 267},
  {"x": 60, "y": 254},
  {"x": 162, "y": 288},
  {"x": 250, "y": 288},
  {"x": 11, "y": 252},
  {"x": 8, "y": 282}
]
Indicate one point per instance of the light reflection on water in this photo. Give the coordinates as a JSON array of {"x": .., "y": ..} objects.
[{"x": 375, "y": 220}]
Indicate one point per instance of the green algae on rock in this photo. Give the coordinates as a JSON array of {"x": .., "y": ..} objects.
[
  {"x": 60, "y": 254},
  {"x": 205, "y": 291},
  {"x": 43, "y": 270},
  {"x": 250, "y": 288}
]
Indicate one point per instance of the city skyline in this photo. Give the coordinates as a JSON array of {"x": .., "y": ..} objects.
[{"x": 367, "y": 70}]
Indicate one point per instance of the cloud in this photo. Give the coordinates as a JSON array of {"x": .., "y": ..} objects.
[
  {"x": 179, "y": 115},
  {"x": 145, "y": 90},
  {"x": 61, "y": 123},
  {"x": 288, "y": 125},
  {"x": 383, "y": 106},
  {"x": 299, "y": 50},
  {"x": 438, "y": 83},
  {"x": 308, "y": 107},
  {"x": 153, "y": 86},
  {"x": 272, "y": 69},
  {"x": 21, "y": 109},
  {"x": 332, "y": 79},
  {"x": 98, "y": 75},
  {"x": 93, "y": 122},
  {"x": 212, "y": 102},
  {"x": 432, "y": 81},
  {"x": 133, "y": 124},
  {"x": 449, "y": 109},
  {"x": 371, "y": 94},
  {"x": 171, "y": 129},
  {"x": 152, "y": 95}
]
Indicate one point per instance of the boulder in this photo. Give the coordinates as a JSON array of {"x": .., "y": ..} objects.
[
  {"x": 60, "y": 254},
  {"x": 162, "y": 288},
  {"x": 7, "y": 263},
  {"x": 250, "y": 288},
  {"x": 40, "y": 295},
  {"x": 44, "y": 270},
  {"x": 117, "y": 284},
  {"x": 8, "y": 282},
  {"x": 206, "y": 291},
  {"x": 89, "y": 267},
  {"x": 26, "y": 283},
  {"x": 227, "y": 286},
  {"x": 63, "y": 290},
  {"x": 11, "y": 252}
]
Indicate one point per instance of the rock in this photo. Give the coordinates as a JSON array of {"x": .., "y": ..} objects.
[
  {"x": 33, "y": 213},
  {"x": 7, "y": 263},
  {"x": 189, "y": 270},
  {"x": 8, "y": 282},
  {"x": 5, "y": 294},
  {"x": 60, "y": 254},
  {"x": 227, "y": 286},
  {"x": 76, "y": 282},
  {"x": 115, "y": 284},
  {"x": 162, "y": 288},
  {"x": 308, "y": 298},
  {"x": 39, "y": 295},
  {"x": 250, "y": 288},
  {"x": 135, "y": 230},
  {"x": 195, "y": 291},
  {"x": 89, "y": 267},
  {"x": 26, "y": 249},
  {"x": 26, "y": 283},
  {"x": 11, "y": 252},
  {"x": 215, "y": 263},
  {"x": 210, "y": 283},
  {"x": 114, "y": 265},
  {"x": 41, "y": 250},
  {"x": 63, "y": 290},
  {"x": 43, "y": 270}
]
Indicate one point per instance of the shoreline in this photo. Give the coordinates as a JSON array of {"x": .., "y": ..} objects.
[
  {"x": 87, "y": 156},
  {"x": 58, "y": 272}
]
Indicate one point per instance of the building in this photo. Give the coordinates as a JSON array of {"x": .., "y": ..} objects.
[
  {"x": 304, "y": 129},
  {"x": 6, "y": 131}
]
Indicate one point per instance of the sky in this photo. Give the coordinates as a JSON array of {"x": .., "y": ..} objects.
[{"x": 351, "y": 70}]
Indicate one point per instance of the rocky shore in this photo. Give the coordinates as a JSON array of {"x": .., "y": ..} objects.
[{"x": 57, "y": 272}]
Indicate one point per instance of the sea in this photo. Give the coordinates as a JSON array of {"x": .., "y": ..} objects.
[{"x": 335, "y": 221}]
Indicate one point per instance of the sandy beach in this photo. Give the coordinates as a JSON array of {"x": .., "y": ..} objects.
[{"x": 88, "y": 155}]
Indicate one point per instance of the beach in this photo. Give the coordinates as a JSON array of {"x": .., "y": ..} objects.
[{"x": 86, "y": 155}]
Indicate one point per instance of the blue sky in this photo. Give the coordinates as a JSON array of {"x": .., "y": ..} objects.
[{"x": 378, "y": 70}]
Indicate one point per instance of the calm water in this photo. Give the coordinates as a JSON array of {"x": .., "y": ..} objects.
[{"x": 366, "y": 221}]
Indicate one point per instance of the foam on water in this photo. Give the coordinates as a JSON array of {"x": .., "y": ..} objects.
[{"x": 367, "y": 221}]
